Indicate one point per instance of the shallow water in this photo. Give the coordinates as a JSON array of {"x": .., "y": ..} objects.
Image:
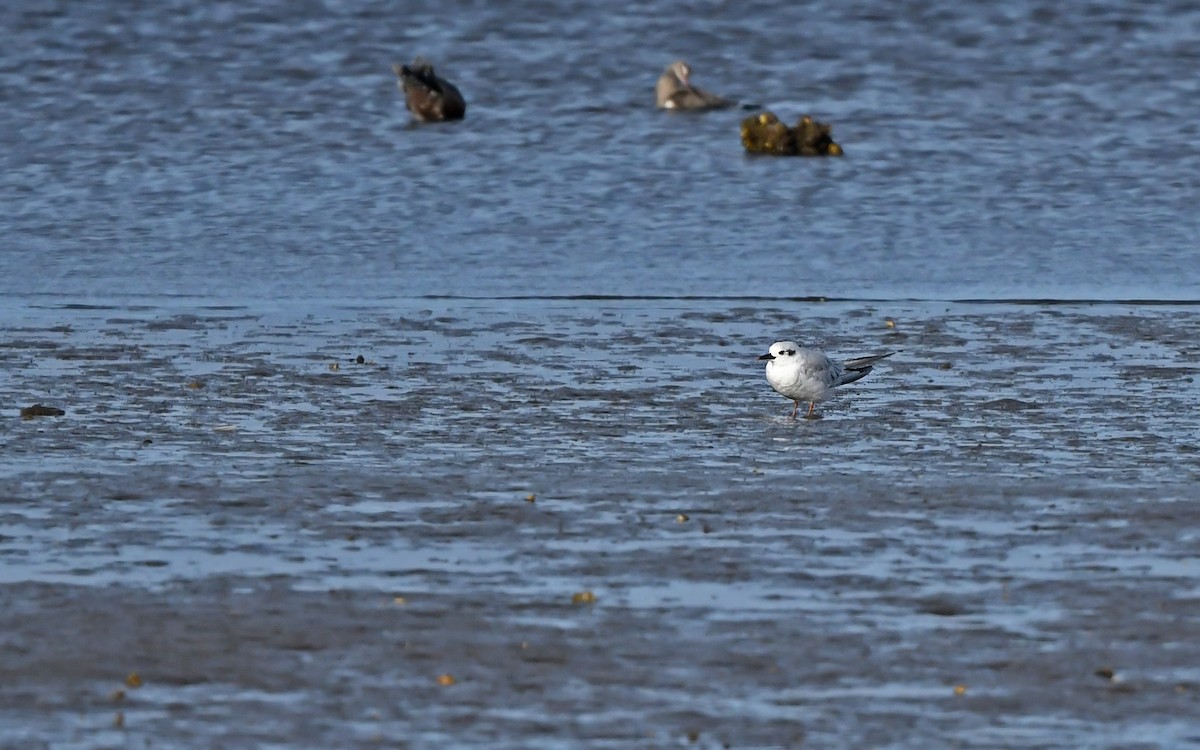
[{"x": 212, "y": 211}]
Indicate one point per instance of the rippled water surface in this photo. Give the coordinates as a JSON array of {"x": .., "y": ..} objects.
[{"x": 557, "y": 478}]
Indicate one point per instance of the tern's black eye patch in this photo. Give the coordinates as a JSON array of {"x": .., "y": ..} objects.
[{"x": 789, "y": 352}]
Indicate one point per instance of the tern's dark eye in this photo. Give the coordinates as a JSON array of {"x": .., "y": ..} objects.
[{"x": 789, "y": 352}]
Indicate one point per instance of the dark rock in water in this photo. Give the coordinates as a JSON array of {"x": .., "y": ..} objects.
[
  {"x": 765, "y": 134},
  {"x": 37, "y": 410},
  {"x": 428, "y": 96}
]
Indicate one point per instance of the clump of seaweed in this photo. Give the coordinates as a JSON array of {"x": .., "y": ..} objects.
[{"x": 765, "y": 134}]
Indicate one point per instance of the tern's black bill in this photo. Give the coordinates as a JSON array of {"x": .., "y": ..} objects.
[{"x": 768, "y": 355}]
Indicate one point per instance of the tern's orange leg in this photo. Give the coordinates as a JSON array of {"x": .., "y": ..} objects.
[
  {"x": 795, "y": 408},
  {"x": 812, "y": 406}
]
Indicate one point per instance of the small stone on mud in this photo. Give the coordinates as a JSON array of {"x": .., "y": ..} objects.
[
  {"x": 941, "y": 608},
  {"x": 583, "y": 597},
  {"x": 446, "y": 680},
  {"x": 133, "y": 680},
  {"x": 359, "y": 360},
  {"x": 1007, "y": 404},
  {"x": 530, "y": 498},
  {"x": 37, "y": 410}
]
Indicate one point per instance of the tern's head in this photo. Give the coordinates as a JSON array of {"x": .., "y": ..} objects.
[{"x": 781, "y": 350}]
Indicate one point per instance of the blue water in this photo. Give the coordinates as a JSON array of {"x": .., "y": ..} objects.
[{"x": 262, "y": 151}]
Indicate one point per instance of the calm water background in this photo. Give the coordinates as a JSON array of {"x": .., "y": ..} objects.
[
  {"x": 207, "y": 206},
  {"x": 250, "y": 150}
]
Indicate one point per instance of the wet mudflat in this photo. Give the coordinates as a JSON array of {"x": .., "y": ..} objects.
[{"x": 989, "y": 542}]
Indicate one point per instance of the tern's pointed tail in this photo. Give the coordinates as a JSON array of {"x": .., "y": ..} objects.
[
  {"x": 857, "y": 369},
  {"x": 865, "y": 362}
]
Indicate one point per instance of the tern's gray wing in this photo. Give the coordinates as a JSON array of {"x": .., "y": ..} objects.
[{"x": 816, "y": 366}]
